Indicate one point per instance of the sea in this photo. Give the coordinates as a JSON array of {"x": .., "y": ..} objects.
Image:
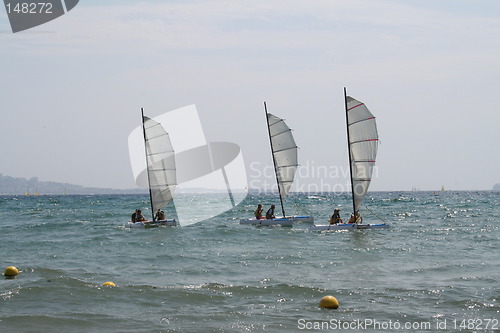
[{"x": 435, "y": 269}]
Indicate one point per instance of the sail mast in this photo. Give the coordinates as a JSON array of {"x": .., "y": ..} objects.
[
  {"x": 147, "y": 164},
  {"x": 349, "y": 152},
  {"x": 274, "y": 160}
]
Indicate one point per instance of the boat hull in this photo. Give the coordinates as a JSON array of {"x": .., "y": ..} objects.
[
  {"x": 270, "y": 222},
  {"x": 347, "y": 226},
  {"x": 151, "y": 224},
  {"x": 285, "y": 222}
]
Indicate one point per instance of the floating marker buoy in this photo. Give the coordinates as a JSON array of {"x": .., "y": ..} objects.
[
  {"x": 109, "y": 283},
  {"x": 11, "y": 271},
  {"x": 329, "y": 302}
]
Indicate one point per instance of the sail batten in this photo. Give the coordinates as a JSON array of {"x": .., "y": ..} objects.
[
  {"x": 284, "y": 149},
  {"x": 156, "y": 136},
  {"x": 156, "y": 154},
  {"x": 360, "y": 121},
  {"x": 360, "y": 141},
  {"x": 289, "y": 166},
  {"x": 284, "y": 132},
  {"x": 353, "y": 107}
]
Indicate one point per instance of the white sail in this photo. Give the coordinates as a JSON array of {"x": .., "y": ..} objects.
[
  {"x": 363, "y": 144},
  {"x": 160, "y": 164},
  {"x": 285, "y": 152}
]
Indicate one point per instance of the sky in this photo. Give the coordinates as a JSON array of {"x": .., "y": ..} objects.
[{"x": 71, "y": 89}]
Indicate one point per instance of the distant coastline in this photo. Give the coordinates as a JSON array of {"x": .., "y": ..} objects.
[{"x": 32, "y": 186}]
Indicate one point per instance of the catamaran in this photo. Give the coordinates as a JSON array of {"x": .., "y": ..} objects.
[
  {"x": 285, "y": 161},
  {"x": 160, "y": 169},
  {"x": 362, "y": 143}
]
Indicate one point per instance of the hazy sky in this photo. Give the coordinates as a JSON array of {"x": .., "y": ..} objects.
[{"x": 71, "y": 90}]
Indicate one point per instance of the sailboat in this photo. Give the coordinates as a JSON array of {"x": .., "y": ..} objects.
[
  {"x": 285, "y": 161},
  {"x": 160, "y": 169},
  {"x": 362, "y": 143}
]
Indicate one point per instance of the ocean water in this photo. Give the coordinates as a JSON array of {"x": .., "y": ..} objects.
[{"x": 436, "y": 269}]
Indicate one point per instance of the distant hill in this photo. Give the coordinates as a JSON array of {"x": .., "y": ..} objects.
[
  {"x": 21, "y": 186},
  {"x": 496, "y": 187}
]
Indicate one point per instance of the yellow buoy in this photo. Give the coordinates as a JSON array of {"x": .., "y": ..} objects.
[
  {"x": 329, "y": 302},
  {"x": 109, "y": 283},
  {"x": 11, "y": 271}
]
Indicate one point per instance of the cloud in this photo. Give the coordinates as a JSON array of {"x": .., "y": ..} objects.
[{"x": 265, "y": 34}]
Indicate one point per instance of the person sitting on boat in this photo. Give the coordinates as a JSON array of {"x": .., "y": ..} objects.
[
  {"x": 356, "y": 218},
  {"x": 359, "y": 218},
  {"x": 258, "y": 212},
  {"x": 134, "y": 214},
  {"x": 160, "y": 215},
  {"x": 335, "y": 218},
  {"x": 138, "y": 216},
  {"x": 270, "y": 213}
]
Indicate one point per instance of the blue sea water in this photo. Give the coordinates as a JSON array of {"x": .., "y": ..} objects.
[{"x": 436, "y": 269}]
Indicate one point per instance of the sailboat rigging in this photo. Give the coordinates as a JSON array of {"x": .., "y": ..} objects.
[
  {"x": 285, "y": 162},
  {"x": 362, "y": 142},
  {"x": 160, "y": 170}
]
